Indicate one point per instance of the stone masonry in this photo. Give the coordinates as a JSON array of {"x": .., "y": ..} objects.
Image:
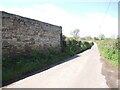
[{"x": 20, "y": 35}]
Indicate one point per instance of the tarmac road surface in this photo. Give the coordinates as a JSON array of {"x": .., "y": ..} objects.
[{"x": 82, "y": 71}]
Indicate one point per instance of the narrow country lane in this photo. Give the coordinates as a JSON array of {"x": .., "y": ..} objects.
[{"x": 84, "y": 71}]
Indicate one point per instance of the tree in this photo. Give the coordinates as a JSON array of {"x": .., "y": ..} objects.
[
  {"x": 96, "y": 38},
  {"x": 118, "y": 36},
  {"x": 63, "y": 42},
  {"x": 63, "y": 37},
  {"x": 88, "y": 37},
  {"x": 75, "y": 33},
  {"x": 102, "y": 36}
]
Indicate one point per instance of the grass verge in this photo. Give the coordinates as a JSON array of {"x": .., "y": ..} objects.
[
  {"x": 15, "y": 68},
  {"x": 110, "y": 50}
]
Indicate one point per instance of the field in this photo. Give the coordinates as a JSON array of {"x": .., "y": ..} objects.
[{"x": 110, "y": 50}]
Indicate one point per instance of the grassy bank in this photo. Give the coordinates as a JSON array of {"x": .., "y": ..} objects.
[
  {"x": 110, "y": 50},
  {"x": 14, "y": 68}
]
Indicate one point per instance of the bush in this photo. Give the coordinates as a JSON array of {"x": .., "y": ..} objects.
[
  {"x": 110, "y": 49},
  {"x": 14, "y": 68}
]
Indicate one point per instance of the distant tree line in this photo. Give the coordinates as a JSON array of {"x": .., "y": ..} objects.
[{"x": 75, "y": 35}]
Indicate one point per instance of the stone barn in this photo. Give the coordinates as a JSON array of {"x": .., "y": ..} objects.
[{"x": 20, "y": 35}]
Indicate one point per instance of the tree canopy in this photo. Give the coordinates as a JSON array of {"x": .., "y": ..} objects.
[{"x": 75, "y": 33}]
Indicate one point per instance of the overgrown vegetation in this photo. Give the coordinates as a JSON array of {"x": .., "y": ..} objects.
[
  {"x": 14, "y": 68},
  {"x": 110, "y": 49}
]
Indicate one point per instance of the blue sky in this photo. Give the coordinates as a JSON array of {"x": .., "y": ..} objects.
[
  {"x": 77, "y": 8},
  {"x": 80, "y": 8},
  {"x": 67, "y": 13}
]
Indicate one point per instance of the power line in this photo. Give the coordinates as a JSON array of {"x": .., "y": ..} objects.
[
  {"x": 104, "y": 16},
  {"x": 100, "y": 26},
  {"x": 105, "y": 13}
]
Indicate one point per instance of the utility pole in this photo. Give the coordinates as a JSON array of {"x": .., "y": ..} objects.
[{"x": 100, "y": 31}]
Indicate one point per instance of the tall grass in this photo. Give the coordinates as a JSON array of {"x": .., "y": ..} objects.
[
  {"x": 14, "y": 68},
  {"x": 110, "y": 49}
]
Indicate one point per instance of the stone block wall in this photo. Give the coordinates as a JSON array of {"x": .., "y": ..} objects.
[{"x": 20, "y": 35}]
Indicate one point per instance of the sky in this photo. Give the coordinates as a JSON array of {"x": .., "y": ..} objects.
[{"x": 89, "y": 16}]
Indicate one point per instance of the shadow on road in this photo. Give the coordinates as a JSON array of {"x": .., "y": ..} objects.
[{"x": 41, "y": 70}]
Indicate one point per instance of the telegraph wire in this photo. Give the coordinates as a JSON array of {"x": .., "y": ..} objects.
[{"x": 104, "y": 15}]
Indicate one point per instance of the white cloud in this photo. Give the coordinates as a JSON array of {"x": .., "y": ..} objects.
[
  {"x": 58, "y": 16},
  {"x": 109, "y": 25}
]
